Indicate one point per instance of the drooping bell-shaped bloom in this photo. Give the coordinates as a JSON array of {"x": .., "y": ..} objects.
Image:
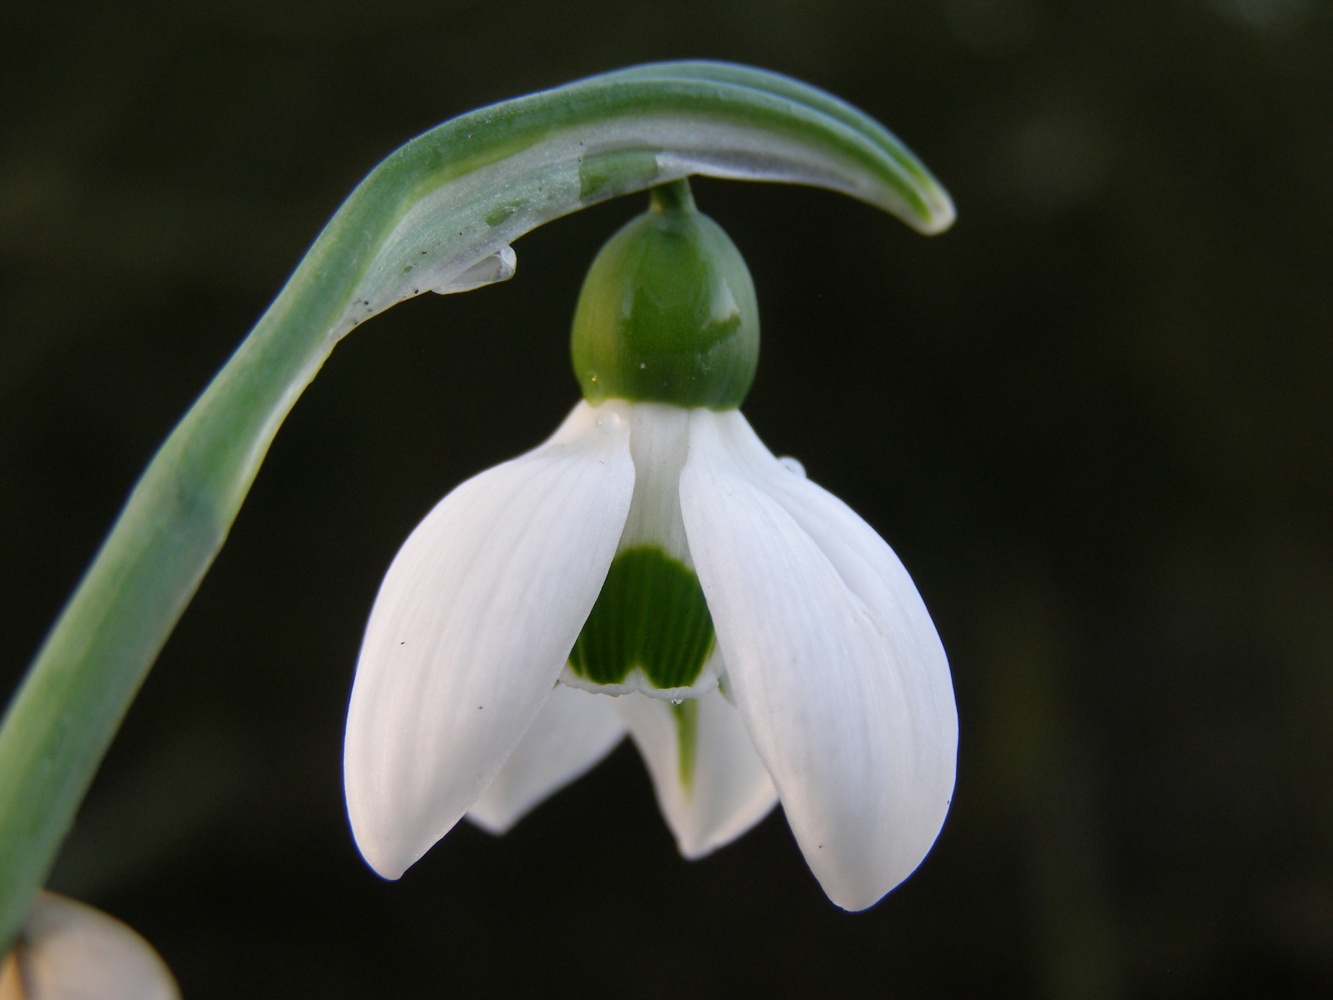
[
  {"x": 68, "y": 950},
  {"x": 653, "y": 569}
]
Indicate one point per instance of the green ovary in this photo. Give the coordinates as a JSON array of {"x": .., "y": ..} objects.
[
  {"x": 651, "y": 615},
  {"x": 667, "y": 313}
]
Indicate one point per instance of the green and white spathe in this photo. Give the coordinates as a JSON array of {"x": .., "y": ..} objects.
[{"x": 807, "y": 670}]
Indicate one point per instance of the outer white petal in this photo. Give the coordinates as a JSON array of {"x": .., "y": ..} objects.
[
  {"x": 70, "y": 951},
  {"x": 571, "y": 734},
  {"x": 731, "y": 790},
  {"x": 472, "y": 626},
  {"x": 832, "y": 658}
]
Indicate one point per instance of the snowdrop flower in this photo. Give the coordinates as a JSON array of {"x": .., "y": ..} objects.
[
  {"x": 654, "y": 569},
  {"x": 70, "y": 951}
]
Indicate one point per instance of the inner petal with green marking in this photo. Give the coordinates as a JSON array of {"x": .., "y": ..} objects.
[
  {"x": 685, "y": 715},
  {"x": 651, "y": 617}
]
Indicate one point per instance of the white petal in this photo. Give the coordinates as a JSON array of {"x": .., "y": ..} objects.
[
  {"x": 832, "y": 659},
  {"x": 70, "y": 951},
  {"x": 730, "y": 790},
  {"x": 571, "y": 734},
  {"x": 472, "y": 626}
]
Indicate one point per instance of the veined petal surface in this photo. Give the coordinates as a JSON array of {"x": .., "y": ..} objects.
[
  {"x": 833, "y": 661},
  {"x": 472, "y": 626},
  {"x": 571, "y": 735},
  {"x": 722, "y": 792}
]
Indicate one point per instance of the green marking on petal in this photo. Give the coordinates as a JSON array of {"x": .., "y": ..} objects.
[
  {"x": 651, "y": 614},
  {"x": 686, "y": 714}
]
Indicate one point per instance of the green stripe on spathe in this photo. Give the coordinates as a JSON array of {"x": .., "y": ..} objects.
[{"x": 651, "y": 614}]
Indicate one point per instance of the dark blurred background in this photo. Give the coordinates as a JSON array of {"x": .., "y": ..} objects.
[{"x": 1093, "y": 419}]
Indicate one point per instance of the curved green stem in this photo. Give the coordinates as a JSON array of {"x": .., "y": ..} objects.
[{"x": 437, "y": 215}]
